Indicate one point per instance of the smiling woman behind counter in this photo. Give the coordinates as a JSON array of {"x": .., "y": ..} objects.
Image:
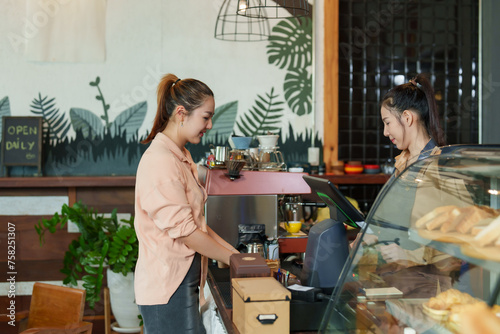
[
  {"x": 411, "y": 121},
  {"x": 174, "y": 239}
]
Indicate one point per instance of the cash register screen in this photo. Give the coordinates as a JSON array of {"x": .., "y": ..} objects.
[{"x": 340, "y": 207}]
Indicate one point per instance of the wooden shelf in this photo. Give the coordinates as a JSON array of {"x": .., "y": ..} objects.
[{"x": 67, "y": 181}]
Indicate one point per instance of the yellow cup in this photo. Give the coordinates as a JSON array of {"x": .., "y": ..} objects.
[{"x": 293, "y": 226}]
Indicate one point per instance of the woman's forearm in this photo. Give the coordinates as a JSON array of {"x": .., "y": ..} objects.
[{"x": 204, "y": 244}]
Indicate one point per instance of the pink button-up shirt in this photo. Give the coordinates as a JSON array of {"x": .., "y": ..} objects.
[{"x": 169, "y": 203}]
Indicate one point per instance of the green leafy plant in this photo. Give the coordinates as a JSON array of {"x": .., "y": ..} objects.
[{"x": 103, "y": 242}]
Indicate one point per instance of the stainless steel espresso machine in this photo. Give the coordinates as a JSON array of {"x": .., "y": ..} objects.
[{"x": 245, "y": 209}]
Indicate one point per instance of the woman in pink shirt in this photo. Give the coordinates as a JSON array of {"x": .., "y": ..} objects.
[{"x": 174, "y": 239}]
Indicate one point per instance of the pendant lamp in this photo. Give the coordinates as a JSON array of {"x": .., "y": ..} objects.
[
  {"x": 233, "y": 27},
  {"x": 273, "y": 9}
]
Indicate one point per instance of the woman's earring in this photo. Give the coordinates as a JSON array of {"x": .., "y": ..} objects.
[{"x": 182, "y": 124}]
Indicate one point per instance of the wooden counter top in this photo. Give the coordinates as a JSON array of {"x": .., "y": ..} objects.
[{"x": 129, "y": 181}]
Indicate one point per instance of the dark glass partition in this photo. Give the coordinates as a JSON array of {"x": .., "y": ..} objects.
[{"x": 383, "y": 44}]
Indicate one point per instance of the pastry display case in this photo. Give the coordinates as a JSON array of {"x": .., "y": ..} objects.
[{"x": 428, "y": 257}]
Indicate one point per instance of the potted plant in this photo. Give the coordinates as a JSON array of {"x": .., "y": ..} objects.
[{"x": 103, "y": 242}]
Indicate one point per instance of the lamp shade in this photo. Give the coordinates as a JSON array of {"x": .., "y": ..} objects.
[
  {"x": 233, "y": 27},
  {"x": 273, "y": 9}
]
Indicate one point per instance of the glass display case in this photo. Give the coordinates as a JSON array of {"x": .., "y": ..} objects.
[{"x": 429, "y": 254}]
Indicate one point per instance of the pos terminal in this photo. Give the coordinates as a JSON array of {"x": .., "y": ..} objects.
[{"x": 326, "y": 253}]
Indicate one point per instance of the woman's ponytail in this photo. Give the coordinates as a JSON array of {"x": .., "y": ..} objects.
[
  {"x": 432, "y": 120},
  {"x": 164, "y": 93}
]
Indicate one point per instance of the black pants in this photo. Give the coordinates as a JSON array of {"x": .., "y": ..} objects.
[{"x": 181, "y": 314}]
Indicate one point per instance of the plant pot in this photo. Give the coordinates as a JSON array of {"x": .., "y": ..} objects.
[{"x": 122, "y": 299}]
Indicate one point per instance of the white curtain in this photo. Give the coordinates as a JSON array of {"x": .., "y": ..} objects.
[{"x": 65, "y": 30}]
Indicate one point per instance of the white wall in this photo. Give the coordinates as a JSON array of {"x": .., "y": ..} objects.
[{"x": 144, "y": 40}]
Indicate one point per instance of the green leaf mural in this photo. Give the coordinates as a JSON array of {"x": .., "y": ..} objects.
[
  {"x": 290, "y": 44},
  {"x": 290, "y": 48},
  {"x": 55, "y": 126},
  {"x": 130, "y": 120},
  {"x": 264, "y": 117},
  {"x": 100, "y": 97},
  {"x": 4, "y": 111},
  {"x": 298, "y": 91},
  {"x": 86, "y": 121},
  {"x": 223, "y": 123}
]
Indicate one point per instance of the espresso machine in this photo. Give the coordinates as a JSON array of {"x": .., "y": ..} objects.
[{"x": 246, "y": 209}]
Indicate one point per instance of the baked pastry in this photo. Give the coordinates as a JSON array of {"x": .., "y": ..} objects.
[
  {"x": 497, "y": 243},
  {"x": 451, "y": 218},
  {"x": 451, "y": 305},
  {"x": 432, "y": 215},
  {"x": 490, "y": 234},
  {"x": 443, "y": 218},
  {"x": 480, "y": 226},
  {"x": 458, "y": 215},
  {"x": 476, "y": 318},
  {"x": 493, "y": 212},
  {"x": 437, "y": 304},
  {"x": 450, "y": 298},
  {"x": 472, "y": 217}
]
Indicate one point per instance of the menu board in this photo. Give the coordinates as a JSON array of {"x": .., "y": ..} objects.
[{"x": 22, "y": 141}]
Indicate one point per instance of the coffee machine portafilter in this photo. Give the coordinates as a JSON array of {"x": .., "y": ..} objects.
[{"x": 293, "y": 208}]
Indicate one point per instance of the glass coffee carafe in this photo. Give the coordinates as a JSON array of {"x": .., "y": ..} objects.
[
  {"x": 243, "y": 155},
  {"x": 270, "y": 159}
]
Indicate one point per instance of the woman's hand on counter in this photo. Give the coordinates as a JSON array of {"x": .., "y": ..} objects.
[
  {"x": 368, "y": 239},
  {"x": 223, "y": 265}
]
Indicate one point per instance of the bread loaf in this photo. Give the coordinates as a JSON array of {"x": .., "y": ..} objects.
[
  {"x": 489, "y": 234},
  {"x": 457, "y": 216},
  {"x": 443, "y": 218},
  {"x": 428, "y": 217},
  {"x": 480, "y": 226},
  {"x": 493, "y": 212},
  {"x": 472, "y": 217}
]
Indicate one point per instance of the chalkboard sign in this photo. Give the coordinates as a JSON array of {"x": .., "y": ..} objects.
[{"x": 22, "y": 141}]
